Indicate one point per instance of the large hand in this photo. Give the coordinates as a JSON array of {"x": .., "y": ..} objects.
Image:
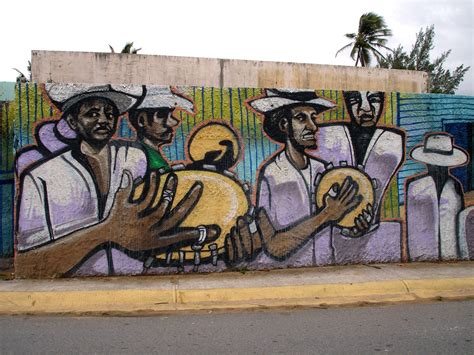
[
  {"x": 340, "y": 200},
  {"x": 247, "y": 239},
  {"x": 243, "y": 242},
  {"x": 146, "y": 225}
]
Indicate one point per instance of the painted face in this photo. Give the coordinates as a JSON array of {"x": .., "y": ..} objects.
[
  {"x": 303, "y": 126},
  {"x": 96, "y": 121},
  {"x": 364, "y": 107},
  {"x": 161, "y": 127}
]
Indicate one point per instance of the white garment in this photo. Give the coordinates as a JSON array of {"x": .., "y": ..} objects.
[
  {"x": 287, "y": 198},
  {"x": 384, "y": 156},
  {"x": 59, "y": 196},
  {"x": 432, "y": 222}
]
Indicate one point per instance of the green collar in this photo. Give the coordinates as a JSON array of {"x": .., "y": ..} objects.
[{"x": 155, "y": 159}]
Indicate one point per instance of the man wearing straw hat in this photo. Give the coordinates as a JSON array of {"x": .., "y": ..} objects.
[
  {"x": 74, "y": 213},
  {"x": 434, "y": 200},
  {"x": 294, "y": 232},
  {"x": 154, "y": 121}
]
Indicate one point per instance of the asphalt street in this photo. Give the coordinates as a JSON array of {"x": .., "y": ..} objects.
[{"x": 436, "y": 328}]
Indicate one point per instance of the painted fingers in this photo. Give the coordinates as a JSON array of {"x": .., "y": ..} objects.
[
  {"x": 243, "y": 243},
  {"x": 188, "y": 236}
]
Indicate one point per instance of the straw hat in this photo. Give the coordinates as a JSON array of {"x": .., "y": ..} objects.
[
  {"x": 164, "y": 97},
  {"x": 277, "y": 98},
  {"x": 64, "y": 96},
  {"x": 439, "y": 149}
]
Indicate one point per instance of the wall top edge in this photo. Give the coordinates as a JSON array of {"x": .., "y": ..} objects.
[{"x": 36, "y": 52}]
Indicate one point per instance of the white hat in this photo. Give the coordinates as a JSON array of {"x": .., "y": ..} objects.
[
  {"x": 439, "y": 149},
  {"x": 64, "y": 96},
  {"x": 277, "y": 98},
  {"x": 164, "y": 97}
]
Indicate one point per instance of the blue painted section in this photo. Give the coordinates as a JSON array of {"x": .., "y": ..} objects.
[
  {"x": 6, "y": 217},
  {"x": 419, "y": 114},
  {"x": 7, "y": 91},
  {"x": 463, "y": 133}
]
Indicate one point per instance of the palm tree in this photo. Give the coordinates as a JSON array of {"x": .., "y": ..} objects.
[
  {"x": 127, "y": 49},
  {"x": 371, "y": 36},
  {"x": 22, "y": 78}
]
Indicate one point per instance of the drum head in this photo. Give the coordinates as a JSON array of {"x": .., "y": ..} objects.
[{"x": 338, "y": 175}]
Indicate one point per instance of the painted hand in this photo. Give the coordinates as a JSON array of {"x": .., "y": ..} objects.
[
  {"x": 250, "y": 237},
  {"x": 340, "y": 200},
  {"x": 145, "y": 224},
  {"x": 243, "y": 243}
]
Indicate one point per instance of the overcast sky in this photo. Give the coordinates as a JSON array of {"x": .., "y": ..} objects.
[{"x": 290, "y": 31}]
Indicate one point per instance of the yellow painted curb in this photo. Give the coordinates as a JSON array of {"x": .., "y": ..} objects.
[{"x": 174, "y": 299}]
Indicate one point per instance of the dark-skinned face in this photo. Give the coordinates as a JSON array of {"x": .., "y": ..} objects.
[
  {"x": 96, "y": 121},
  {"x": 160, "y": 127},
  {"x": 302, "y": 127},
  {"x": 364, "y": 107}
]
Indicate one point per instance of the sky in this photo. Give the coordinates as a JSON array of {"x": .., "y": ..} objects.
[{"x": 301, "y": 31}]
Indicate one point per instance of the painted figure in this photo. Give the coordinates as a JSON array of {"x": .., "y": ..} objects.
[
  {"x": 154, "y": 122},
  {"x": 293, "y": 231},
  {"x": 434, "y": 200},
  {"x": 380, "y": 151},
  {"x": 74, "y": 212},
  {"x": 466, "y": 233},
  {"x": 54, "y": 136}
]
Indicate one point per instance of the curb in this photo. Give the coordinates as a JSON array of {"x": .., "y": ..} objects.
[{"x": 173, "y": 299}]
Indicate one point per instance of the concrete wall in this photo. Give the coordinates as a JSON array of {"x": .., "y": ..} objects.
[
  {"x": 242, "y": 202},
  {"x": 54, "y": 66}
]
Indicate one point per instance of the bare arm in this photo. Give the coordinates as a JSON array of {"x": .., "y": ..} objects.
[{"x": 280, "y": 244}]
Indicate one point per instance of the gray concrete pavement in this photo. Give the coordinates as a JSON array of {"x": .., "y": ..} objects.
[
  {"x": 437, "y": 328},
  {"x": 310, "y": 287}
]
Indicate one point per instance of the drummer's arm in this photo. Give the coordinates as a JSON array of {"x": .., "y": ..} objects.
[{"x": 282, "y": 243}]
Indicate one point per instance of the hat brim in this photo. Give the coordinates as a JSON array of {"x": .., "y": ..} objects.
[
  {"x": 268, "y": 104},
  {"x": 122, "y": 101},
  {"x": 458, "y": 157},
  {"x": 170, "y": 101}
]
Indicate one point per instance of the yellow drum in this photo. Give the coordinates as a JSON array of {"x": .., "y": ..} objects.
[
  {"x": 223, "y": 199},
  {"x": 337, "y": 175}
]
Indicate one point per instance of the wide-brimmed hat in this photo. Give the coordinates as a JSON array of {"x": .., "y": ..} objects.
[
  {"x": 65, "y": 96},
  {"x": 165, "y": 97},
  {"x": 439, "y": 149},
  {"x": 278, "y": 98}
]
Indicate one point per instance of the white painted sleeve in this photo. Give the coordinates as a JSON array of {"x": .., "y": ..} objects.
[{"x": 32, "y": 225}]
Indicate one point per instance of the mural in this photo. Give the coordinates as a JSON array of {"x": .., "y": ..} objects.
[{"x": 130, "y": 179}]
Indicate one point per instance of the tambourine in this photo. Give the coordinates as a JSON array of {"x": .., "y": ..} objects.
[{"x": 337, "y": 175}]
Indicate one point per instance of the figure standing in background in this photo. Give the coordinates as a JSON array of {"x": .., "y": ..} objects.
[
  {"x": 378, "y": 150},
  {"x": 434, "y": 200},
  {"x": 155, "y": 122}
]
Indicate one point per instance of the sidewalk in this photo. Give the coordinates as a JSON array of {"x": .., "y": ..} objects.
[{"x": 312, "y": 287}]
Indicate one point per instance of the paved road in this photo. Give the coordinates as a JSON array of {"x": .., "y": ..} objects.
[{"x": 444, "y": 327}]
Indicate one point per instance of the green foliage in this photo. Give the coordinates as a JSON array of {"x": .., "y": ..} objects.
[
  {"x": 370, "y": 38},
  {"x": 22, "y": 78},
  {"x": 127, "y": 49},
  {"x": 441, "y": 80}
]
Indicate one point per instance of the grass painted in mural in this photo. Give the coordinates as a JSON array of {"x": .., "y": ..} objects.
[{"x": 130, "y": 179}]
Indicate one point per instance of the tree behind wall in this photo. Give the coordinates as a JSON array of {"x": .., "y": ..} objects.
[
  {"x": 127, "y": 49},
  {"x": 441, "y": 80},
  {"x": 371, "y": 36}
]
